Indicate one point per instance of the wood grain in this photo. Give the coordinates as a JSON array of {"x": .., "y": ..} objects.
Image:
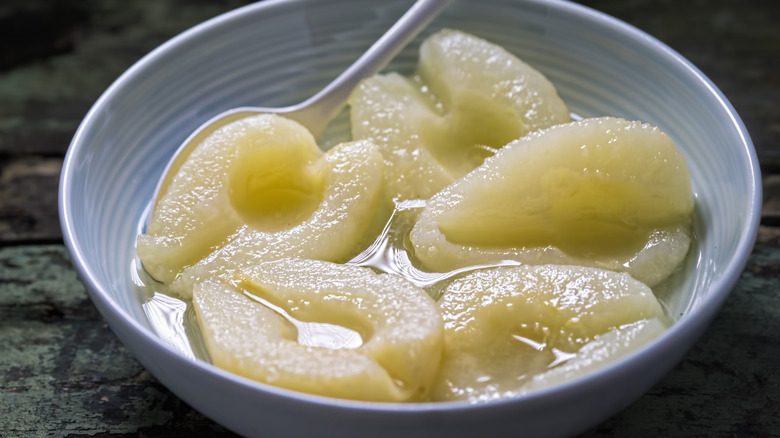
[{"x": 63, "y": 372}]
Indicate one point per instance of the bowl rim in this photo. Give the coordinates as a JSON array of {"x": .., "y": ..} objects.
[{"x": 126, "y": 327}]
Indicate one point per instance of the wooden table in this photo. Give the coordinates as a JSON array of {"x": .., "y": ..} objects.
[{"x": 63, "y": 372}]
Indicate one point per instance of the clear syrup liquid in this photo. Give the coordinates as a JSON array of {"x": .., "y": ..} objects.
[{"x": 175, "y": 321}]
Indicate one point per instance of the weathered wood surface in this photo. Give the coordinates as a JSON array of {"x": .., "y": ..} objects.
[{"x": 63, "y": 372}]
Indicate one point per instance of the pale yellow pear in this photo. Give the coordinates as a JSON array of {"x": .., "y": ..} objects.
[
  {"x": 469, "y": 98},
  {"x": 601, "y": 192},
  {"x": 247, "y": 327},
  {"x": 503, "y": 326},
  {"x": 260, "y": 189}
]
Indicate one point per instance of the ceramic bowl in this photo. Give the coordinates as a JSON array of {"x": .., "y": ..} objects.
[{"x": 276, "y": 53}]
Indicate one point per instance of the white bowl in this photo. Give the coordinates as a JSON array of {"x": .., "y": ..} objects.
[{"x": 278, "y": 52}]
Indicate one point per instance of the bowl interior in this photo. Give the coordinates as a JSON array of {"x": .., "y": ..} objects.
[{"x": 277, "y": 53}]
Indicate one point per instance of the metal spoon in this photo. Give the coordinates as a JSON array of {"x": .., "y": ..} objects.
[{"x": 316, "y": 112}]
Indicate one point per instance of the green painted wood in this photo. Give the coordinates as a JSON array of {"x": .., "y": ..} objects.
[
  {"x": 62, "y": 370},
  {"x": 63, "y": 373},
  {"x": 28, "y": 199}
]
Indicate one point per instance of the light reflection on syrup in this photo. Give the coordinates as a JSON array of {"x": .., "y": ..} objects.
[
  {"x": 167, "y": 313},
  {"x": 388, "y": 253},
  {"x": 560, "y": 355},
  {"x": 316, "y": 334}
]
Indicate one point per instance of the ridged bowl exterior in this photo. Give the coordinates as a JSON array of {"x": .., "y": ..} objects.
[{"x": 277, "y": 53}]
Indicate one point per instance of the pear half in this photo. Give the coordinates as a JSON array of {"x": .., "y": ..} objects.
[
  {"x": 503, "y": 326},
  {"x": 400, "y": 327},
  {"x": 260, "y": 189},
  {"x": 601, "y": 192},
  {"x": 469, "y": 98}
]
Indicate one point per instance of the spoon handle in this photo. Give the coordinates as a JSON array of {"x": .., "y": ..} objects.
[{"x": 316, "y": 112}]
